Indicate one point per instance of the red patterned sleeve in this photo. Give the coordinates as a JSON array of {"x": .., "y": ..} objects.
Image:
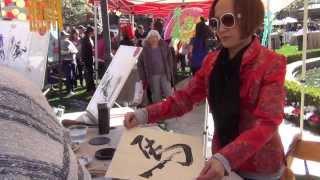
[
  {"x": 268, "y": 114},
  {"x": 182, "y": 101}
]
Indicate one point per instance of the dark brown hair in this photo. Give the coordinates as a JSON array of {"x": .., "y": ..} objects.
[{"x": 252, "y": 15}]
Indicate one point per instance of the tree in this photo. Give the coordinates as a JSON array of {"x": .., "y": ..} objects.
[{"x": 76, "y": 11}]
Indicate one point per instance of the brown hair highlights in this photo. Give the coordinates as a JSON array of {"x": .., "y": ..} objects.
[{"x": 252, "y": 15}]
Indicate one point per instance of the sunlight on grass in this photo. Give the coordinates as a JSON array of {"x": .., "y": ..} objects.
[{"x": 289, "y": 50}]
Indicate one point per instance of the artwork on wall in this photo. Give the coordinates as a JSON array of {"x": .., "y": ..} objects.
[
  {"x": 149, "y": 154},
  {"x": 23, "y": 51},
  {"x": 114, "y": 78},
  {"x": 13, "y": 45}
]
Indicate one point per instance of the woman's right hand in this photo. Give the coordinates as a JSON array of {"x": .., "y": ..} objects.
[{"x": 130, "y": 120}]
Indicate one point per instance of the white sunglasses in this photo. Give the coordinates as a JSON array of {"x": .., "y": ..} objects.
[{"x": 228, "y": 20}]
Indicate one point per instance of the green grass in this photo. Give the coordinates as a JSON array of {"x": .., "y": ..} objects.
[
  {"x": 293, "y": 54},
  {"x": 81, "y": 99},
  {"x": 289, "y": 50}
]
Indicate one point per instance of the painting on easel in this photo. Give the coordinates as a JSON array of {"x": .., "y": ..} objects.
[{"x": 114, "y": 78}]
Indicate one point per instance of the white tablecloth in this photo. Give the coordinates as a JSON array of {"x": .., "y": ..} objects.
[{"x": 313, "y": 41}]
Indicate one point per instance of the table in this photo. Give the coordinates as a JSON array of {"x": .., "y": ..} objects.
[
  {"x": 275, "y": 40},
  {"x": 100, "y": 166},
  {"x": 312, "y": 43},
  {"x": 116, "y": 120}
]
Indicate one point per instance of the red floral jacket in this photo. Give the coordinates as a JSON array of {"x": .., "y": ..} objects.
[{"x": 258, "y": 148}]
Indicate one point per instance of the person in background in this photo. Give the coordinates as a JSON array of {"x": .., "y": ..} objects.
[
  {"x": 114, "y": 43},
  {"x": 80, "y": 62},
  {"x": 81, "y": 30},
  {"x": 101, "y": 56},
  {"x": 87, "y": 57},
  {"x": 68, "y": 56},
  {"x": 67, "y": 28},
  {"x": 174, "y": 62},
  {"x": 198, "y": 48},
  {"x": 158, "y": 26},
  {"x": 127, "y": 36},
  {"x": 244, "y": 85},
  {"x": 148, "y": 27},
  {"x": 75, "y": 39},
  {"x": 140, "y": 35},
  {"x": 155, "y": 66},
  {"x": 33, "y": 144},
  {"x": 182, "y": 49}
]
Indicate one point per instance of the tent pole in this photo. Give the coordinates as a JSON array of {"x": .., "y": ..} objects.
[
  {"x": 96, "y": 39},
  {"x": 304, "y": 57},
  {"x": 59, "y": 59},
  {"x": 106, "y": 31},
  {"x": 132, "y": 21},
  {"x": 269, "y": 25}
]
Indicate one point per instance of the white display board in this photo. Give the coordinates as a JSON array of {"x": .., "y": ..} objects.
[
  {"x": 145, "y": 153},
  {"x": 114, "y": 78},
  {"x": 24, "y": 51}
]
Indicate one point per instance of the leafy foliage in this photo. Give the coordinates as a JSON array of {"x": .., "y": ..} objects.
[
  {"x": 312, "y": 94},
  {"x": 75, "y": 11}
]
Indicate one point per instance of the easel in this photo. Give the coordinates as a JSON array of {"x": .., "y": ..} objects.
[{"x": 113, "y": 79}]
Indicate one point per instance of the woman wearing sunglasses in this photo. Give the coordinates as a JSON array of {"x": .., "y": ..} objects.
[{"x": 244, "y": 85}]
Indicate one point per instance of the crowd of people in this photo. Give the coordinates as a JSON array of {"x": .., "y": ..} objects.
[
  {"x": 158, "y": 65},
  {"x": 77, "y": 57}
]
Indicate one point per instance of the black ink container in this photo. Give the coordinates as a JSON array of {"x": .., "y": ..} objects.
[{"x": 103, "y": 118}]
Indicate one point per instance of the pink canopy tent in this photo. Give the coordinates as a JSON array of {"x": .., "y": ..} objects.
[
  {"x": 162, "y": 8},
  {"x": 156, "y": 8}
]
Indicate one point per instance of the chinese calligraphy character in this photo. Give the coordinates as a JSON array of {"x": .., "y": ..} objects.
[{"x": 157, "y": 153}]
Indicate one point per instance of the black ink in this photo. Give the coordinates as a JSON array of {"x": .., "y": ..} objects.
[
  {"x": 138, "y": 140},
  {"x": 106, "y": 86},
  {"x": 187, "y": 151},
  {"x": 152, "y": 151},
  {"x": 157, "y": 154},
  {"x": 148, "y": 173},
  {"x": 18, "y": 51}
]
